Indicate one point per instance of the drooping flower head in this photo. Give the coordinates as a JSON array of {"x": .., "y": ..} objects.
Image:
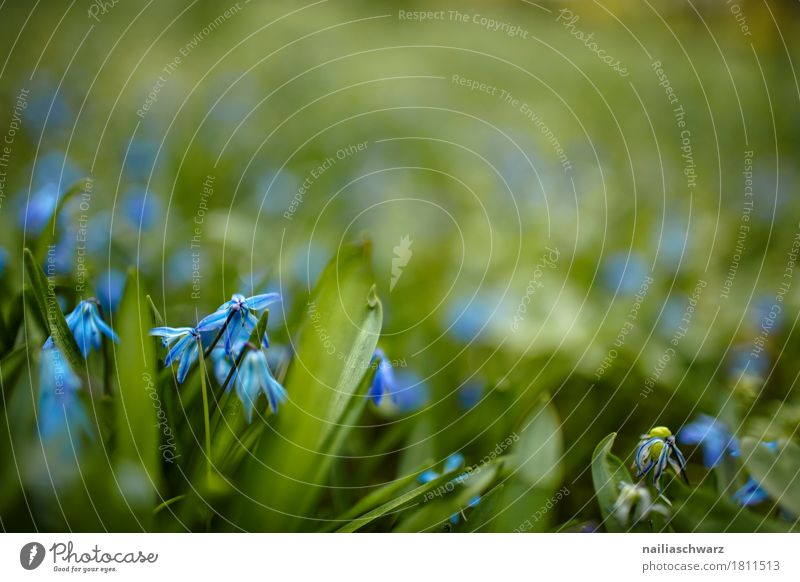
[
  {"x": 383, "y": 382},
  {"x": 752, "y": 493},
  {"x": 253, "y": 377},
  {"x": 237, "y": 316},
  {"x": 655, "y": 452},
  {"x": 87, "y": 326},
  {"x": 635, "y": 499},
  {"x": 183, "y": 344},
  {"x": 714, "y": 437}
]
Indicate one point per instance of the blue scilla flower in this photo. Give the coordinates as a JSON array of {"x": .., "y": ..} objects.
[
  {"x": 38, "y": 208},
  {"x": 383, "y": 382},
  {"x": 410, "y": 391},
  {"x": 655, "y": 452},
  {"x": 624, "y": 273},
  {"x": 252, "y": 377},
  {"x": 3, "y": 260},
  {"x": 714, "y": 437},
  {"x": 751, "y": 493},
  {"x": 88, "y": 327},
  {"x": 60, "y": 411},
  {"x": 183, "y": 344},
  {"x": 237, "y": 316}
]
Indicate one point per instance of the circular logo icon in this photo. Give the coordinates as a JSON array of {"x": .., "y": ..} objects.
[{"x": 31, "y": 555}]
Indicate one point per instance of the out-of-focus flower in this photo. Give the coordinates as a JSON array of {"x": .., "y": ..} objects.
[
  {"x": 383, "y": 381},
  {"x": 3, "y": 260},
  {"x": 714, "y": 437},
  {"x": 141, "y": 209},
  {"x": 237, "y": 316},
  {"x": 184, "y": 344},
  {"x": 109, "y": 288},
  {"x": 38, "y": 208},
  {"x": 410, "y": 391},
  {"x": 623, "y": 273},
  {"x": 470, "y": 394},
  {"x": 88, "y": 327},
  {"x": 636, "y": 499},
  {"x": 655, "y": 452},
  {"x": 751, "y": 493},
  {"x": 253, "y": 377},
  {"x": 60, "y": 411}
]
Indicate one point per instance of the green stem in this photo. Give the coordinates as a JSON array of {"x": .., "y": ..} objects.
[{"x": 204, "y": 388}]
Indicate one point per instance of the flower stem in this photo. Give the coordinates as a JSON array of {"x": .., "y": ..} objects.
[
  {"x": 218, "y": 337},
  {"x": 204, "y": 388}
]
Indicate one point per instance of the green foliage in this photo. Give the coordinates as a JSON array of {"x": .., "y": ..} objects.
[{"x": 608, "y": 473}]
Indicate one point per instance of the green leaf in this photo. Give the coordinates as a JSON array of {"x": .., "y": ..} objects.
[
  {"x": 777, "y": 471},
  {"x": 49, "y": 233},
  {"x": 136, "y": 402},
  {"x": 335, "y": 344},
  {"x": 50, "y": 312},
  {"x": 608, "y": 472},
  {"x": 410, "y": 499},
  {"x": 155, "y": 313}
]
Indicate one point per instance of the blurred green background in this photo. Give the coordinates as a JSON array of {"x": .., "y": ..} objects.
[{"x": 570, "y": 241}]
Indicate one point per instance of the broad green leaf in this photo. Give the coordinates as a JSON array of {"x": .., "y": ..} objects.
[
  {"x": 335, "y": 344},
  {"x": 608, "y": 472},
  {"x": 777, "y": 471},
  {"x": 50, "y": 311},
  {"x": 138, "y": 410}
]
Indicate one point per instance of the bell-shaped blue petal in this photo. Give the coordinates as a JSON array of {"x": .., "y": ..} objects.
[
  {"x": 88, "y": 327},
  {"x": 750, "y": 493},
  {"x": 383, "y": 381},
  {"x": 60, "y": 413},
  {"x": 184, "y": 344},
  {"x": 253, "y": 377}
]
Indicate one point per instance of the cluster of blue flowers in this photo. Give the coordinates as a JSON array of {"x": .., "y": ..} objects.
[
  {"x": 59, "y": 408},
  {"x": 452, "y": 464},
  {"x": 225, "y": 333}
]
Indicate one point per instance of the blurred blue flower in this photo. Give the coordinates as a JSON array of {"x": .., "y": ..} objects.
[
  {"x": 87, "y": 326},
  {"x": 383, "y": 381},
  {"x": 60, "y": 410},
  {"x": 410, "y": 391},
  {"x": 141, "y": 158},
  {"x": 252, "y": 377},
  {"x": 109, "y": 288},
  {"x": 713, "y": 435},
  {"x": 237, "y": 316},
  {"x": 3, "y": 260},
  {"x": 141, "y": 209},
  {"x": 624, "y": 273},
  {"x": 37, "y": 209},
  {"x": 186, "y": 347},
  {"x": 655, "y": 450},
  {"x": 750, "y": 493},
  {"x": 470, "y": 394}
]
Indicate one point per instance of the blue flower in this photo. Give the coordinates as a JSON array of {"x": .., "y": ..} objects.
[
  {"x": 713, "y": 435},
  {"x": 750, "y": 493},
  {"x": 655, "y": 451},
  {"x": 141, "y": 209},
  {"x": 109, "y": 288},
  {"x": 470, "y": 394},
  {"x": 383, "y": 381},
  {"x": 39, "y": 207},
  {"x": 186, "y": 347},
  {"x": 3, "y": 260},
  {"x": 237, "y": 316},
  {"x": 624, "y": 273},
  {"x": 60, "y": 411},
  {"x": 87, "y": 326},
  {"x": 252, "y": 377}
]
